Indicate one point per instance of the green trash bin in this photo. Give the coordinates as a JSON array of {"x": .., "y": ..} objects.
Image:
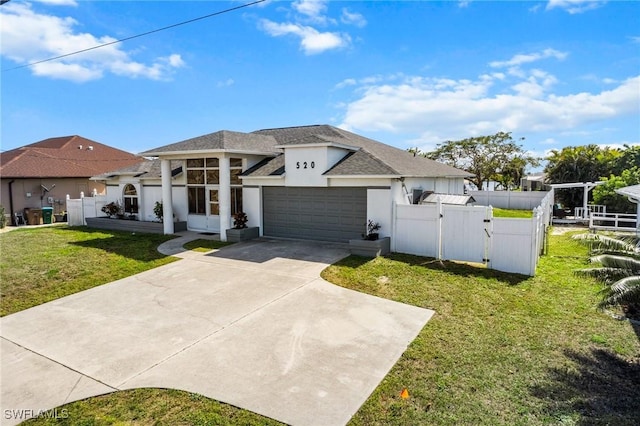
[{"x": 47, "y": 215}]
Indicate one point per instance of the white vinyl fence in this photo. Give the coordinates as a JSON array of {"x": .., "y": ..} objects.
[
  {"x": 81, "y": 208},
  {"x": 472, "y": 234},
  {"x": 519, "y": 200}
]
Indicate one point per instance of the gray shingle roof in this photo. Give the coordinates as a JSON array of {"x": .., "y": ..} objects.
[
  {"x": 391, "y": 160},
  {"x": 221, "y": 140},
  {"x": 360, "y": 163},
  {"x": 370, "y": 157},
  {"x": 148, "y": 169},
  {"x": 273, "y": 166}
]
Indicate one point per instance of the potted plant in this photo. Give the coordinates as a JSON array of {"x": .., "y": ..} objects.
[
  {"x": 157, "y": 210},
  {"x": 240, "y": 231},
  {"x": 372, "y": 231},
  {"x": 113, "y": 209},
  {"x": 371, "y": 245}
]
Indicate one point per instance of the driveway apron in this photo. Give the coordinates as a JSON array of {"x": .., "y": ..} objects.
[{"x": 252, "y": 325}]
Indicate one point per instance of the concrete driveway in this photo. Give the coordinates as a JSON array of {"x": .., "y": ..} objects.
[{"x": 252, "y": 325}]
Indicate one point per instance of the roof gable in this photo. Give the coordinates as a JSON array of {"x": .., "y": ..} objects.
[{"x": 393, "y": 160}]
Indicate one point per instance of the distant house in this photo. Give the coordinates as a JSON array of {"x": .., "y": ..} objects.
[
  {"x": 44, "y": 173},
  {"x": 311, "y": 182},
  {"x": 534, "y": 182}
]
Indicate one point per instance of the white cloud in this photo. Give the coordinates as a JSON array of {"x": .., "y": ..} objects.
[
  {"x": 312, "y": 41},
  {"x": 521, "y": 59},
  {"x": 575, "y": 6},
  {"x": 352, "y": 18},
  {"x": 58, "y": 2},
  {"x": 311, "y": 8},
  {"x": 463, "y": 4},
  {"x": 345, "y": 83},
  {"x": 28, "y": 36},
  {"x": 310, "y": 14},
  {"x": 226, "y": 83},
  {"x": 439, "y": 109}
]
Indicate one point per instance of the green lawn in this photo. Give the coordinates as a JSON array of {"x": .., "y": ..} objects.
[
  {"x": 204, "y": 246},
  {"x": 524, "y": 214},
  {"x": 43, "y": 264},
  {"x": 501, "y": 349}
]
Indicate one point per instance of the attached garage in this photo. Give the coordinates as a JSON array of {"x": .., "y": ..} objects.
[{"x": 327, "y": 214}]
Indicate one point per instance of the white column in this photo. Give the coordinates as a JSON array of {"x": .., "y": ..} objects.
[
  {"x": 224, "y": 196},
  {"x": 167, "y": 197},
  {"x": 585, "y": 201}
]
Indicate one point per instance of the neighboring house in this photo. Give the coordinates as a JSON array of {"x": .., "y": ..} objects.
[
  {"x": 314, "y": 182},
  {"x": 42, "y": 174},
  {"x": 534, "y": 182}
]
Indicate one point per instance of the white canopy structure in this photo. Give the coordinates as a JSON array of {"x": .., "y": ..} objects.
[
  {"x": 587, "y": 186},
  {"x": 633, "y": 194}
]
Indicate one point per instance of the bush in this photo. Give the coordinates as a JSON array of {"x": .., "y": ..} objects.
[{"x": 3, "y": 218}]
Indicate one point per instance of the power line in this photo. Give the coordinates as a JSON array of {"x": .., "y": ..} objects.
[{"x": 136, "y": 36}]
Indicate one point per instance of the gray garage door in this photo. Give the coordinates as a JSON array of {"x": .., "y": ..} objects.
[{"x": 328, "y": 214}]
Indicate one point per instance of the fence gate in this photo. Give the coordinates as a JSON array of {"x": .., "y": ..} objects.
[{"x": 466, "y": 233}]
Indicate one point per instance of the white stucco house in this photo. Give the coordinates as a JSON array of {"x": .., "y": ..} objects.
[{"x": 311, "y": 182}]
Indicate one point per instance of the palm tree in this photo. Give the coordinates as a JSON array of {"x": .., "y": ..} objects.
[{"x": 619, "y": 270}]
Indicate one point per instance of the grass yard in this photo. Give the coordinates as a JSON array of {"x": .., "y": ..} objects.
[
  {"x": 501, "y": 349},
  {"x": 204, "y": 246},
  {"x": 44, "y": 264},
  {"x": 523, "y": 214}
]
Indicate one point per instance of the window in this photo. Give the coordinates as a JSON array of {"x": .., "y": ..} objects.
[
  {"x": 236, "y": 200},
  {"x": 130, "y": 197},
  {"x": 235, "y": 165},
  {"x": 206, "y": 171},
  {"x": 196, "y": 199},
  {"x": 214, "y": 204}
]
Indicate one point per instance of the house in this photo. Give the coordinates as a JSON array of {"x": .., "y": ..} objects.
[
  {"x": 534, "y": 182},
  {"x": 312, "y": 182},
  {"x": 42, "y": 174}
]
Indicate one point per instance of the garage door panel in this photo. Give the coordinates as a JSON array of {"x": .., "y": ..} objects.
[{"x": 331, "y": 214}]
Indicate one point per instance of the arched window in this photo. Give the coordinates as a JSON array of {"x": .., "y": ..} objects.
[{"x": 130, "y": 196}]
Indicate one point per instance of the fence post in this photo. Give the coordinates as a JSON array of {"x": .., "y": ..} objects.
[
  {"x": 488, "y": 247},
  {"x": 439, "y": 227},
  {"x": 394, "y": 225}
]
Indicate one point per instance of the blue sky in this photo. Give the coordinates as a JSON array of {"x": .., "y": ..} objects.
[{"x": 558, "y": 73}]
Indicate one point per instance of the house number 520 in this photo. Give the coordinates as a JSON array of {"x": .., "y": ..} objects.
[{"x": 305, "y": 165}]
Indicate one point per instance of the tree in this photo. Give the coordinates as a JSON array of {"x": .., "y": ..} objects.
[
  {"x": 586, "y": 163},
  {"x": 628, "y": 159},
  {"x": 619, "y": 270},
  {"x": 494, "y": 157},
  {"x": 606, "y": 194}
]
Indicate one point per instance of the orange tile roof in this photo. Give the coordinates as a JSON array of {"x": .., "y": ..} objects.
[{"x": 68, "y": 156}]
